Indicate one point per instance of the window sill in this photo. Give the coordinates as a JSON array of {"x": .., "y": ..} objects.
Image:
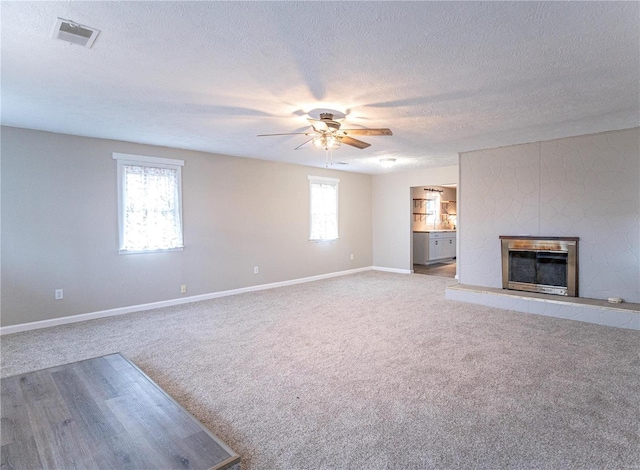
[
  {"x": 320, "y": 240},
  {"x": 159, "y": 250}
]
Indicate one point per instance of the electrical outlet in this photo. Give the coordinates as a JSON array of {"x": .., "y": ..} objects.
[
  {"x": 183, "y": 289},
  {"x": 59, "y": 294},
  {"x": 255, "y": 270},
  {"x": 351, "y": 255}
]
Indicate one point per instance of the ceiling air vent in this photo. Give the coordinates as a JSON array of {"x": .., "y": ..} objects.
[{"x": 70, "y": 31}]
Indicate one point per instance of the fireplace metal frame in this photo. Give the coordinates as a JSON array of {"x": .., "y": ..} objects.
[{"x": 568, "y": 245}]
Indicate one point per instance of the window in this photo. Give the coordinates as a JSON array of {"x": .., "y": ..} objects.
[
  {"x": 324, "y": 208},
  {"x": 433, "y": 208},
  {"x": 149, "y": 203}
]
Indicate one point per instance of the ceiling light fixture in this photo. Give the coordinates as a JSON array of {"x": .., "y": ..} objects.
[
  {"x": 326, "y": 141},
  {"x": 387, "y": 162},
  {"x": 329, "y": 142}
]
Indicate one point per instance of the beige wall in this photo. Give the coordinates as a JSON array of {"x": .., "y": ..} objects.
[
  {"x": 392, "y": 213},
  {"x": 585, "y": 186},
  {"x": 59, "y": 227}
]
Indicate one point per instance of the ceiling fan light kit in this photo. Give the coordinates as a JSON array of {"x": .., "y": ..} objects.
[
  {"x": 326, "y": 141},
  {"x": 329, "y": 136}
]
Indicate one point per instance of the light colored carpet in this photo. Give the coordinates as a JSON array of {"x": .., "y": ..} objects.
[{"x": 377, "y": 371}]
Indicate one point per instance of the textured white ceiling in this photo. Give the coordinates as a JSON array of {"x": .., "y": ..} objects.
[{"x": 446, "y": 77}]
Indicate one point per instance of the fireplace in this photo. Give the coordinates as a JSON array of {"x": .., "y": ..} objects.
[{"x": 540, "y": 264}]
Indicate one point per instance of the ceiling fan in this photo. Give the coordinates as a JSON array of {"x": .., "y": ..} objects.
[{"x": 327, "y": 134}]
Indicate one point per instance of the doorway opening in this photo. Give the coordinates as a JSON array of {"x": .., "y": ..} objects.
[{"x": 434, "y": 230}]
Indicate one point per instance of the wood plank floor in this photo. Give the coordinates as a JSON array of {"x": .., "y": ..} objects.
[
  {"x": 101, "y": 413},
  {"x": 444, "y": 269}
]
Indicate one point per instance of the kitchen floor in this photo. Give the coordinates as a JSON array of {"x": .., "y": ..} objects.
[{"x": 443, "y": 269}]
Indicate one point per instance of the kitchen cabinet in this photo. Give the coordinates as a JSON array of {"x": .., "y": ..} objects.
[
  {"x": 420, "y": 248},
  {"x": 436, "y": 249},
  {"x": 429, "y": 247},
  {"x": 441, "y": 245},
  {"x": 452, "y": 251}
]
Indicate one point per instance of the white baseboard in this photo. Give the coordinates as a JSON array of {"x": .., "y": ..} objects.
[
  {"x": 6, "y": 330},
  {"x": 392, "y": 270}
]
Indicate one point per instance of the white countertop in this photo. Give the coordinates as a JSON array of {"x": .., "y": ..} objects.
[{"x": 432, "y": 231}]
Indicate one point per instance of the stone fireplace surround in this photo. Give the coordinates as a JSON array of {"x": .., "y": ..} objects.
[{"x": 585, "y": 186}]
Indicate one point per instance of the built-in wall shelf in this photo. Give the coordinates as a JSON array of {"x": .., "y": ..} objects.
[
  {"x": 421, "y": 216},
  {"x": 425, "y": 208},
  {"x": 448, "y": 207}
]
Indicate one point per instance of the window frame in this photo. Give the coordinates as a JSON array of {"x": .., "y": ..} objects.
[
  {"x": 123, "y": 159},
  {"x": 435, "y": 216},
  {"x": 323, "y": 180}
]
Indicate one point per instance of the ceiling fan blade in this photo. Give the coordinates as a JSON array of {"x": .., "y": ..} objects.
[
  {"x": 354, "y": 142},
  {"x": 319, "y": 126},
  {"x": 304, "y": 143},
  {"x": 288, "y": 133},
  {"x": 367, "y": 131}
]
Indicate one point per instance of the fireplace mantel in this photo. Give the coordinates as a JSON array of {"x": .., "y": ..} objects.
[{"x": 529, "y": 237}]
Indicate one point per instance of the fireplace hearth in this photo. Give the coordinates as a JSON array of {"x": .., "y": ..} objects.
[{"x": 540, "y": 264}]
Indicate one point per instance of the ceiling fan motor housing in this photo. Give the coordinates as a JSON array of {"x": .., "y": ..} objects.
[{"x": 327, "y": 118}]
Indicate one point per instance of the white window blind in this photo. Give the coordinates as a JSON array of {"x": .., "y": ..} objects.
[
  {"x": 149, "y": 203},
  {"x": 324, "y": 208}
]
